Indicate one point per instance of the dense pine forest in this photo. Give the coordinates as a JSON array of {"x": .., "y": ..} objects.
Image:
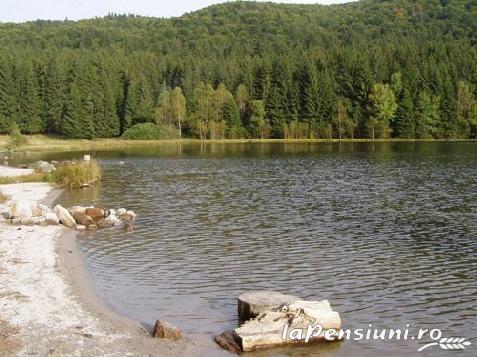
[{"x": 370, "y": 69}]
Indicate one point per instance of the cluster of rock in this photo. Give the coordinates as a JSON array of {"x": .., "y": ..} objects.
[
  {"x": 92, "y": 218},
  {"x": 27, "y": 214},
  {"x": 77, "y": 217},
  {"x": 266, "y": 316}
]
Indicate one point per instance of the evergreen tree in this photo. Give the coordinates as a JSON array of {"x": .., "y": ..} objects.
[{"x": 404, "y": 124}]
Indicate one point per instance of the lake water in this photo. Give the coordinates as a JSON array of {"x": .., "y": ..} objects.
[{"x": 386, "y": 232}]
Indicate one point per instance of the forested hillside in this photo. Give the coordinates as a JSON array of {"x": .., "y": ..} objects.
[{"x": 399, "y": 68}]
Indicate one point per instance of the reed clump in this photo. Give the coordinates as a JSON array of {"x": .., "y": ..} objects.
[{"x": 76, "y": 174}]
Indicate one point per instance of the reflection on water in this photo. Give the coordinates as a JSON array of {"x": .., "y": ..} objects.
[{"x": 386, "y": 232}]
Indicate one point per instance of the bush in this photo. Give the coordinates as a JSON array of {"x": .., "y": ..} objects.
[
  {"x": 16, "y": 137},
  {"x": 76, "y": 175},
  {"x": 150, "y": 131}
]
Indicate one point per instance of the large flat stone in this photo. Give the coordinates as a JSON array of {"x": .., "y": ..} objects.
[{"x": 252, "y": 303}]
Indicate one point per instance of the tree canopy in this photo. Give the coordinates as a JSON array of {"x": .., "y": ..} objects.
[{"x": 399, "y": 68}]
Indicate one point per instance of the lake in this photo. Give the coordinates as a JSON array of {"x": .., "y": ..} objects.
[{"x": 385, "y": 231}]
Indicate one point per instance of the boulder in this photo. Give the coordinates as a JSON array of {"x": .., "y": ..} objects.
[
  {"x": 92, "y": 227},
  {"x": 121, "y": 212},
  {"x": 128, "y": 226},
  {"x": 115, "y": 221},
  {"x": 267, "y": 329},
  {"x": 229, "y": 341},
  {"x": 83, "y": 219},
  {"x": 64, "y": 216},
  {"x": 164, "y": 329},
  {"x": 80, "y": 228},
  {"x": 43, "y": 209},
  {"x": 51, "y": 219},
  {"x": 103, "y": 223},
  {"x": 20, "y": 209},
  {"x": 95, "y": 213},
  {"x": 77, "y": 209},
  {"x": 253, "y": 303},
  {"x": 131, "y": 215},
  {"x": 41, "y": 221},
  {"x": 112, "y": 211},
  {"x": 310, "y": 321}
]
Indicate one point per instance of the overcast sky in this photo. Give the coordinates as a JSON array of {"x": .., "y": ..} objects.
[{"x": 25, "y": 10}]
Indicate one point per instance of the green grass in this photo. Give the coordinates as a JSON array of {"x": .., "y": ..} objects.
[{"x": 76, "y": 174}]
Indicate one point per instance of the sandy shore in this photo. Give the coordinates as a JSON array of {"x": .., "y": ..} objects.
[{"x": 47, "y": 306}]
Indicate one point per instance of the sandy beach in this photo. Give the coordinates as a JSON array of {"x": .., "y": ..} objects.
[{"x": 47, "y": 306}]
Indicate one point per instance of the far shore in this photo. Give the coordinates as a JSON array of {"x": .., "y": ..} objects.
[{"x": 50, "y": 143}]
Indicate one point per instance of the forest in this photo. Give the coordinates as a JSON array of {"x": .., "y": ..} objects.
[{"x": 367, "y": 69}]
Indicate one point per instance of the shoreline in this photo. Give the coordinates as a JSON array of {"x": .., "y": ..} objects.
[
  {"x": 48, "y": 305},
  {"x": 45, "y": 143}
]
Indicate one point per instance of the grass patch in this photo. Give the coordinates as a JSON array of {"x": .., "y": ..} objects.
[
  {"x": 34, "y": 177},
  {"x": 3, "y": 198},
  {"x": 76, "y": 174}
]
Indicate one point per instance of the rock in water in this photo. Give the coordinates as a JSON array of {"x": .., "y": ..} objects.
[
  {"x": 52, "y": 219},
  {"x": 121, "y": 212},
  {"x": 64, "y": 216},
  {"x": 115, "y": 221},
  {"x": 20, "y": 209},
  {"x": 267, "y": 329},
  {"x": 95, "y": 213},
  {"x": 229, "y": 341},
  {"x": 164, "y": 329},
  {"x": 83, "y": 219},
  {"x": 103, "y": 223},
  {"x": 128, "y": 226},
  {"x": 131, "y": 215},
  {"x": 272, "y": 328},
  {"x": 255, "y": 302}
]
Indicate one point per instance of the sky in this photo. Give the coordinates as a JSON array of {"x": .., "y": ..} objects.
[{"x": 27, "y": 10}]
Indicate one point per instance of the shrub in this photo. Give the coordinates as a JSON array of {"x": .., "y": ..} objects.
[
  {"x": 76, "y": 175},
  {"x": 150, "y": 131},
  {"x": 16, "y": 137}
]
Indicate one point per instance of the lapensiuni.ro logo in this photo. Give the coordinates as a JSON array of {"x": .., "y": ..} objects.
[{"x": 370, "y": 333}]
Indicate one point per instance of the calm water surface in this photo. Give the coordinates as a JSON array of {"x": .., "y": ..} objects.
[{"x": 386, "y": 232}]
